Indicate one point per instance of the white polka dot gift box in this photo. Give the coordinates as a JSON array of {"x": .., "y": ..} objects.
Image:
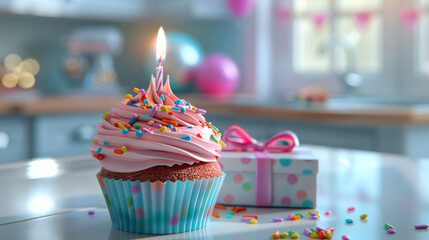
[{"x": 277, "y": 173}]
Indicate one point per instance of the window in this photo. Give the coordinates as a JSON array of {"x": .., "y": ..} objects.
[
  {"x": 338, "y": 44},
  {"x": 423, "y": 48}
]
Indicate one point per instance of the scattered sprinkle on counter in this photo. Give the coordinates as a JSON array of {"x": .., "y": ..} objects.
[
  {"x": 218, "y": 205},
  {"x": 421, "y": 226},
  {"x": 284, "y": 235},
  {"x": 253, "y": 221},
  {"x": 363, "y": 216},
  {"x": 241, "y": 209},
  {"x": 215, "y": 214},
  {"x": 349, "y": 221},
  {"x": 294, "y": 236},
  {"x": 307, "y": 232},
  {"x": 276, "y": 235},
  {"x": 388, "y": 226},
  {"x": 322, "y": 234},
  {"x": 247, "y": 219},
  {"x": 91, "y": 212},
  {"x": 314, "y": 235}
]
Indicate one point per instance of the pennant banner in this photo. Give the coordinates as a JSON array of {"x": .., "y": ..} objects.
[
  {"x": 319, "y": 20},
  {"x": 283, "y": 14},
  {"x": 410, "y": 17},
  {"x": 363, "y": 19}
]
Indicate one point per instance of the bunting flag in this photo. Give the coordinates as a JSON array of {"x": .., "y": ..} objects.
[
  {"x": 319, "y": 20},
  {"x": 410, "y": 17},
  {"x": 363, "y": 19},
  {"x": 283, "y": 14}
]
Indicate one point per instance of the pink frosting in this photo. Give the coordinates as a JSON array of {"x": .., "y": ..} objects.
[{"x": 192, "y": 141}]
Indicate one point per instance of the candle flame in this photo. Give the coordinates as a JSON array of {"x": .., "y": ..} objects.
[{"x": 161, "y": 46}]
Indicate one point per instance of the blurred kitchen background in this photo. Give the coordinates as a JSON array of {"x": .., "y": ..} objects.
[{"x": 342, "y": 73}]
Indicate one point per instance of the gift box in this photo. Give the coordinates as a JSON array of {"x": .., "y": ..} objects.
[{"x": 267, "y": 174}]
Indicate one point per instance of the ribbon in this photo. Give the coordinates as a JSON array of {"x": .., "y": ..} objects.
[{"x": 238, "y": 139}]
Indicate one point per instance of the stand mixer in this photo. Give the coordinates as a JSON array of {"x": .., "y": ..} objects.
[{"x": 89, "y": 59}]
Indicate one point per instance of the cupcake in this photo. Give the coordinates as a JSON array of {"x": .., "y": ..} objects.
[{"x": 159, "y": 171}]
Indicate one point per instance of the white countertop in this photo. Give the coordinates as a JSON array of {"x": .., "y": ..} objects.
[{"x": 50, "y": 198}]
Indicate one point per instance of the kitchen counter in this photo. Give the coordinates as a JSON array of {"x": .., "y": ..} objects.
[{"x": 50, "y": 198}]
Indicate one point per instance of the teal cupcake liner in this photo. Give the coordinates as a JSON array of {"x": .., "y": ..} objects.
[{"x": 160, "y": 207}]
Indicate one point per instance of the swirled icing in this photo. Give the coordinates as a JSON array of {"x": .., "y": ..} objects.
[{"x": 121, "y": 148}]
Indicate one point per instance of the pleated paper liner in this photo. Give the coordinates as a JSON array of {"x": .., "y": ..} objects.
[
  {"x": 158, "y": 207},
  {"x": 202, "y": 234}
]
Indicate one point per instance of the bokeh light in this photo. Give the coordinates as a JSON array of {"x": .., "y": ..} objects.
[
  {"x": 30, "y": 65},
  {"x": 9, "y": 80},
  {"x": 12, "y": 61},
  {"x": 26, "y": 80},
  {"x": 18, "y": 72}
]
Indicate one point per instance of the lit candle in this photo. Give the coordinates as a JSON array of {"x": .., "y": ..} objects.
[{"x": 161, "y": 48}]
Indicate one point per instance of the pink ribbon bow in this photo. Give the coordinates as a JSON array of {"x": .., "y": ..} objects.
[{"x": 237, "y": 138}]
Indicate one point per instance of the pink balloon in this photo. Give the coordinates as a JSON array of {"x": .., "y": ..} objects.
[
  {"x": 217, "y": 77},
  {"x": 240, "y": 8}
]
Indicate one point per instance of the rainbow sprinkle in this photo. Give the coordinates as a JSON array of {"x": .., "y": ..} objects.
[
  {"x": 106, "y": 115},
  {"x": 124, "y": 149},
  {"x": 214, "y": 138}
]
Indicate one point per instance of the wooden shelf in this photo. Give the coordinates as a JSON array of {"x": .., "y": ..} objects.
[
  {"x": 55, "y": 105},
  {"x": 60, "y": 104},
  {"x": 362, "y": 115}
]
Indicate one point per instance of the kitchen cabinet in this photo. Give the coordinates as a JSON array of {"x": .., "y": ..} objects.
[
  {"x": 15, "y": 138},
  {"x": 64, "y": 134}
]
